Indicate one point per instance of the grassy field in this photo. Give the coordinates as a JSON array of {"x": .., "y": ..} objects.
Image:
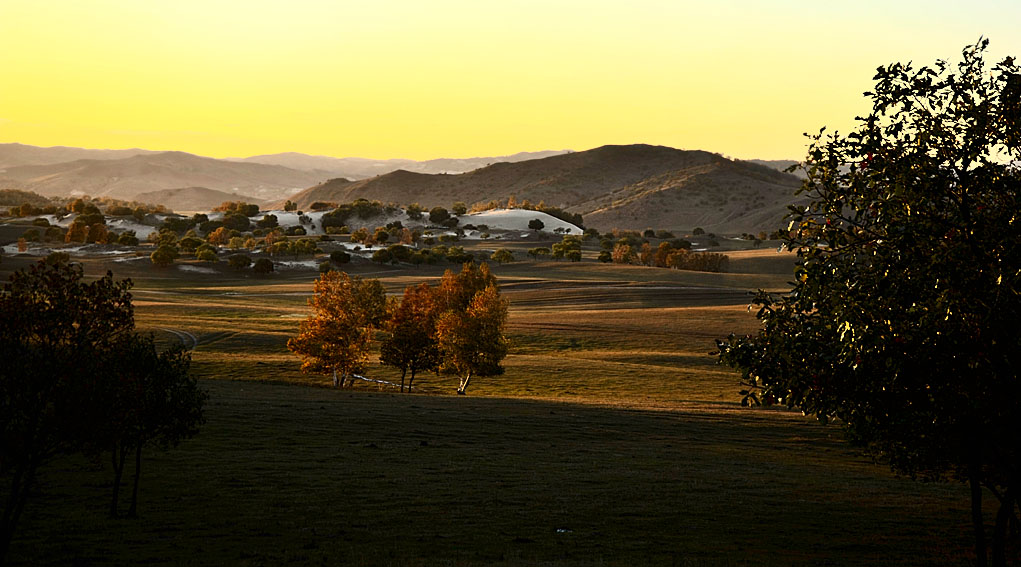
[{"x": 612, "y": 439}]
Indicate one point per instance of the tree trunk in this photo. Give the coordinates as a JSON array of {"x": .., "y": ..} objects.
[
  {"x": 334, "y": 377},
  {"x": 404, "y": 372},
  {"x": 117, "y": 457},
  {"x": 464, "y": 384},
  {"x": 1000, "y": 533},
  {"x": 16, "y": 499},
  {"x": 411, "y": 380},
  {"x": 133, "y": 510},
  {"x": 974, "y": 470}
]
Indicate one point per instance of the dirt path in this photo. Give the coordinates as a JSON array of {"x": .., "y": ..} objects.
[{"x": 187, "y": 339}]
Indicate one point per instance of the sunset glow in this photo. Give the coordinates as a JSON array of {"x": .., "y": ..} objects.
[{"x": 456, "y": 78}]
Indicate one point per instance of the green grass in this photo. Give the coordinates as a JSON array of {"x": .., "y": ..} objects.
[
  {"x": 284, "y": 474},
  {"x": 613, "y": 438}
]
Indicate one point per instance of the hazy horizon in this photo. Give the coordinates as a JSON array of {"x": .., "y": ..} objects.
[{"x": 448, "y": 79}]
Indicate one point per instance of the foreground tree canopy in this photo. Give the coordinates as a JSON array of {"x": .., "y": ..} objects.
[
  {"x": 76, "y": 378},
  {"x": 902, "y": 323}
]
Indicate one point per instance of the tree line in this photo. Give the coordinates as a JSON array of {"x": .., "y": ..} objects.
[{"x": 456, "y": 327}]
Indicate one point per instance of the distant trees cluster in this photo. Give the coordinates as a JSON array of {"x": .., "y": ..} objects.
[
  {"x": 456, "y": 327},
  {"x": 77, "y": 378}
]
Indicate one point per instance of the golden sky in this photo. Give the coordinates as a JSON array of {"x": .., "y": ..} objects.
[{"x": 442, "y": 78}]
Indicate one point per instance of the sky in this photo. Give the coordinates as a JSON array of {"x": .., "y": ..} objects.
[{"x": 444, "y": 78}]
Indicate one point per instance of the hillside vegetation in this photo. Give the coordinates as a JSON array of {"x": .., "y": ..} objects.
[{"x": 630, "y": 187}]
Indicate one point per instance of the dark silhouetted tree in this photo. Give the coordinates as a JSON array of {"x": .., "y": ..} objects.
[{"x": 902, "y": 323}]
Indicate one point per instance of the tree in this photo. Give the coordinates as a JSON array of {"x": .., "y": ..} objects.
[
  {"x": 239, "y": 261},
  {"x": 472, "y": 340},
  {"x": 147, "y": 398},
  {"x": 262, "y": 266},
  {"x": 411, "y": 345},
  {"x": 536, "y": 225},
  {"x": 127, "y": 238},
  {"x": 164, "y": 255},
  {"x": 539, "y": 251},
  {"x": 502, "y": 256},
  {"x": 77, "y": 232},
  {"x": 220, "y": 236},
  {"x": 902, "y": 323},
  {"x": 268, "y": 221},
  {"x": 459, "y": 208},
  {"x": 207, "y": 256},
  {"x": 335, "y": 337},
  {"x": 470, "y": 328},
  {"x": 54, "y": 328},
  {"x": 414, "y": 211},
  {"x": 340, "y": 257},
  {"x": 438, "y": 214}
]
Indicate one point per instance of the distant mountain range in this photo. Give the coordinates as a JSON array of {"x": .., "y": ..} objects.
[
  {"x": 13, "y": 155},
  {"x": 361, "y": 168},
  {"x": 634, "y": 186},
  {"x": 127, "y": 177}
]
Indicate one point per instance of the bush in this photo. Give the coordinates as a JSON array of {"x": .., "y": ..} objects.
[
  {"x": 207, "y": 256},
  {"x": 340, "y": 257},
  {"x": 438, "y": 214},
  {"x": 263, "y": 266},
  {"x": 164, "y": 255},
  {"x": 502, "y": 256},
  {"x": 55, "y": 258},
  {"x": 239, "y": 261},
  {"x": 268, "y": 221}
]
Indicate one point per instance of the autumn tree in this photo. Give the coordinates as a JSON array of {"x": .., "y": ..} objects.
[
  {"x": 472, "y": 340},
  {"x": 902, "y": 323},
  {"x": 335, "y": 337},
  {"x": 470, "y": 329},
  {"x": 411, "y": 345}
]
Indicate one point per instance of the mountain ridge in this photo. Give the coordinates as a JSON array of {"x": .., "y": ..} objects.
[{"x": 616, "y": 186}]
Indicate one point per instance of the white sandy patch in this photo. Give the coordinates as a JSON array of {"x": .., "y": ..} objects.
[
  {"x": 196, "y": 269},
  {"x": 142, "y": 231},
  {"x": 517, "y": 219},
  {"x": 297, "y": 265}
]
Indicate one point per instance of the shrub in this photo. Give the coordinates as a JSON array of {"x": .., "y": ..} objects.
[
  {"x": 263, "y": 266},
  {"x": 239, "y": 261}
]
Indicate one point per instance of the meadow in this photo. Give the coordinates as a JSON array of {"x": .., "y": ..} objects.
[{"x": 613, "y": 438}]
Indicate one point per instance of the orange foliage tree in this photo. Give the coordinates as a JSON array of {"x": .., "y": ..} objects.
[
  {"x": 335, "y": 338},
  {"x": 412, "y": 344},
  {"x": 470, "y": 329}
]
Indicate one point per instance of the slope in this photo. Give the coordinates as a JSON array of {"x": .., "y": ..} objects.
[
  {"x": 191, "y": 198},
  {"x": 125, "y": 178},
  {"x": 634, "y": 187}
]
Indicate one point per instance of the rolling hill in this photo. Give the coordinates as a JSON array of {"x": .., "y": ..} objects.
[
  {"x": 126, "y": 178},
  {"x": 362, "y": 168},
  {"x": 192, "y": 198},
  {"x": 14, "y": 155},
  {"x": 633, "y": 187}
]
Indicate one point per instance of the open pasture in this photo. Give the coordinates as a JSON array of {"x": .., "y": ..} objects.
[{"x": 613, "y": 438}]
